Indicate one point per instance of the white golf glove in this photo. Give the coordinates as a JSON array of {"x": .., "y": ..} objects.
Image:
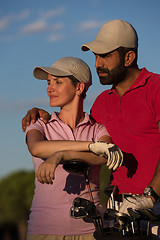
[
  {"x": 110, "y": 151},
  {"x": 138, "y": 202}
]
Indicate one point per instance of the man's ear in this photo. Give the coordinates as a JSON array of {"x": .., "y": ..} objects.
[
  {"x": 129, "y": 58},
  {"x": 80, "y": 87}
]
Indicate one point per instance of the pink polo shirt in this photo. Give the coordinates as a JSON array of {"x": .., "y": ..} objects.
[
  {"x": 132, "y": 122},
  {"x": 51, "y": 203}
]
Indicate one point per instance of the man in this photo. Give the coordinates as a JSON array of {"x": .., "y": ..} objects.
[{"x": 130, "y": 111}]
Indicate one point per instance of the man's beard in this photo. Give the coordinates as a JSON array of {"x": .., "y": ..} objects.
[{"x": 115, "y": 76}]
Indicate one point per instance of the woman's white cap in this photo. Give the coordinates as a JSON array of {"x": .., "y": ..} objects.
[{"x": 66, "y": 66}]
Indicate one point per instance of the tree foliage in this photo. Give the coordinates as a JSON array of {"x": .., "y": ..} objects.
[{"x": 16, "y": 193}]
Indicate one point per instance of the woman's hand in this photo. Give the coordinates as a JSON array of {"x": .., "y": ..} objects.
[{"x": 46, "y": 171}]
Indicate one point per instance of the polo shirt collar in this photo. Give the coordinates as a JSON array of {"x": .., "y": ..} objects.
[
  {"x": 54, "y": 117},
  {"x": 140, "y": 81}
]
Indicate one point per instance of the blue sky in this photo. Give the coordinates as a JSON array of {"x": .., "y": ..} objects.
[{"x": 38, "y": 32}]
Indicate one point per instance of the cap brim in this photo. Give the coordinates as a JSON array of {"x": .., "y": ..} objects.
[
  {"x": 42, "y": 72},
  {"x": 98, "y": 47}
]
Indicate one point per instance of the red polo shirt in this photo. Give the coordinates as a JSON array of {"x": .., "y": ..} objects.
[{"x": 131, "y": 121}]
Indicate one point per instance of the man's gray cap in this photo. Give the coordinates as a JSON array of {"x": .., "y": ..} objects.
[{"x": 112, "y": 35}]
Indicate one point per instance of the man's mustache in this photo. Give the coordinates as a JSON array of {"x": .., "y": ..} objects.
[{"x": 102, "y": 70}]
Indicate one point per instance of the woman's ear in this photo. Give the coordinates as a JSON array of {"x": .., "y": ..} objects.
[
  {"x": 80, "y": 87},
  {"x": 129, "y": 58}
]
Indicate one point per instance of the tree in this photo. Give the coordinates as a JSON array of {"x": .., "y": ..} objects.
[{"x": 16, "y": 193}]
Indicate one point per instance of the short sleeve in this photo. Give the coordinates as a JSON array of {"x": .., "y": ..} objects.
[
  {"x": 38, "y": 125},
  {"x": 100, "y": 131}
]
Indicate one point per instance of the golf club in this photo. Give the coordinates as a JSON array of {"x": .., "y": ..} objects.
[
  {"x": 111, "y": 191},
  {"x": 135, "y": 216},
  {"x": 110, "y": 214},
  {"x": 147, "y": 215},
  {"x": 82, "y": 168},
  {"x": 127, "y": 228}
]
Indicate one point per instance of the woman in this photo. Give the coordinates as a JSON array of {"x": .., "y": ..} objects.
[{"x": 65, "y": 137}]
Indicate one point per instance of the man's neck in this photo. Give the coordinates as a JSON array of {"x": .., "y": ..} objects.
[{"x": 131, "y": 77}]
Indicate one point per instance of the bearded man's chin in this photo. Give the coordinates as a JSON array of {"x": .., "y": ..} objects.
[{"x": 105, "y": 81}]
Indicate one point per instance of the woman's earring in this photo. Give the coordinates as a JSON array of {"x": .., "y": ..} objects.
[{"x": 79, "y": 94}]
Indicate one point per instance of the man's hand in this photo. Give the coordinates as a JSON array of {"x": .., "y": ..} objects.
[
  {"x": 32, "y": 115},
  {"x": 137, "y": 202},
  {"x": 110, "y": 151}
]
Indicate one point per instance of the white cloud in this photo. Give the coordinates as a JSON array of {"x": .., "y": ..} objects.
[
  {"x": 40, "y": 26},
  {"x": 23, "y": 15},
  {"x": 37, "y": 26},
  {"x": 8, "y": 20},
  {"x": 4, "y": 23},
  {"x": 87, "y": 25},
  {"x": 56, "y": 26},
  {"x": 52, "y": 13},
  {"x": 55, "y": 38},
  {"x": 43, "y": 23}
]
